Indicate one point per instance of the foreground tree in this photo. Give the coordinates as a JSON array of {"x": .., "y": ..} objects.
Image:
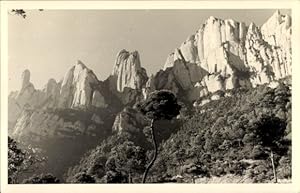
[{"x": 159, "y": 105}]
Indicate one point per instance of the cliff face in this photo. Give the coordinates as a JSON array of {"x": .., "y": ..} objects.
[
  {"x": 129, "y": 120},
  {"x": 269, "y": 60},
  {"x": 79, "y": 88},
  {"x": 226, "y": 54},
  {"x": 38, "y": 125},
  {"x": 128, "y": 71}
]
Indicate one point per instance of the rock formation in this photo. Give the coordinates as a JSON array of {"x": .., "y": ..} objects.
[
  {"x": 129, "y": 120},
  {"x": 37, "y": 125},
  {"x": 128, "y": 71},
  {"x": 26, "y": 97},
  {"x": 78, "y": 87},
  {"x": 226, "y": 54},
  {"x": 277, "y": 32}
]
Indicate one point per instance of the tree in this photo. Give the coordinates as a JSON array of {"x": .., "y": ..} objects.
[
  {"x": 159, "y": 105},
  {"x": 193, "y": 170},
  {"x": 115, "y": 177},
  {"x": 127, "y": 159},
  {"x": 269, "y": 131},
  {"x": 21, "y": 12},
  {"x": 82, "y": 178},
  {"x": 41, "y": 179}
]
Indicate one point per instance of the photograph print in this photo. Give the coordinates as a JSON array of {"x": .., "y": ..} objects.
[{"x": 191, "y": 96}]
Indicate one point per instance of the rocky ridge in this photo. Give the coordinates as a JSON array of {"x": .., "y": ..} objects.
[
  {"x": 226, "y": 54},
  {"x": 221, "y": 55}
]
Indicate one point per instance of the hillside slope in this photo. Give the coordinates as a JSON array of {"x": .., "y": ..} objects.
[{"x": 233, "y": 136}]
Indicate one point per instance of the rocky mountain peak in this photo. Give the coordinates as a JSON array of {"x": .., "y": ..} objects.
[
  {"x": 128, "y": 71},
  {"x": 25, "y": 81},
  {"x": 80, "y": 63},
  {"x": 277, "y": 29},
  {"x": 225, "y": 54},
  {"x": 78, "y": 87},
  {"x": 130, "y": 59}
]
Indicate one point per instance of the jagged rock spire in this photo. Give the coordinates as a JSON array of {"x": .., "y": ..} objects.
[{"x": 128, "y": 71}]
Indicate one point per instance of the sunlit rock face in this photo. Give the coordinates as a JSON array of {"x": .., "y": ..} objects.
[
  {"x": 277, "y": 31},
  {"x": 78, "y": 87},
  {"x": 268, "y": 51},
  {"x": 128, "y": 71},
  {"x": 216, "y": 33},
  {"x": 188, "y": 50},
  {"x": 226, "y": 54},
  {"x": 213, "y": 58}
]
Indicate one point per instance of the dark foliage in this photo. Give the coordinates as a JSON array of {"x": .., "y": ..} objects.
[
  {"x": 42, "y": 179},
  {"x": 83, "y": 178},
  {"x": 160, "y": 105},
  {"x": 230, "y": 136},
  {"x": 234, "y": 135},
  {"x": 21, "y": 160},
  {"x": 21, "y": 12}
]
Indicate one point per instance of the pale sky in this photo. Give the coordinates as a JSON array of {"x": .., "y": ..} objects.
[{"x": 49, "y": 42}]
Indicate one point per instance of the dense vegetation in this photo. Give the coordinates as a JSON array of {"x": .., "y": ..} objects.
[
  {"x": 235, "y": 135},
  {"x": 245, "y": 134},
  {"x": 21, "y": 160}
]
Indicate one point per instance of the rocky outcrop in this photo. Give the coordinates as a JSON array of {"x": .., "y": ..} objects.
[
  {"x": 98, "y": 100},
  {"x": 164, "y": 79},
  {"x": 216, "y": 33},
  {"x": 128, "y": 71},
  {"x": 52, "y": 94},
  {"x": 268, "y": 61},
  {"x": 277, "y": 31},
  {"x": 36, "y": 125},
  {"x": 78, "y": 87},
  {"x": 26, "y": 97},
  {"x": 212, "y": 59},
  {"x": 226, "y": 54},
  {"x": 129, "y": 120}
]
